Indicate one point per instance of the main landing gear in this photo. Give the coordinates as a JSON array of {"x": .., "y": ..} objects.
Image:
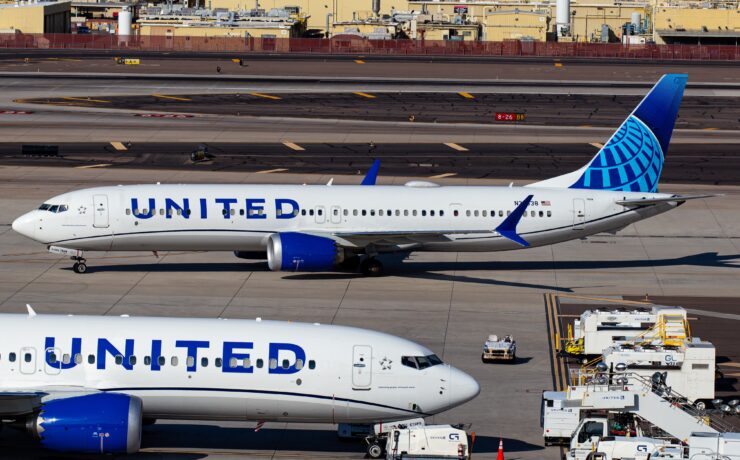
[
  {"x": 371, "y": 267},
  {"x": 80, "y": 265}
]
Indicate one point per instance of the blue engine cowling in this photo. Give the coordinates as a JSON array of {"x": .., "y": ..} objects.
[
  {"x": 96, "y": 423},
  {"x": 292, "y": 251}
]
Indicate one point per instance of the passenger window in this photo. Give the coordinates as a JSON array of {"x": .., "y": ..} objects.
[
  {"x": 173, "y": 361},
  {"x": 286, "y": 364},
  {"x": 501, "y": 213},
  {"x": 364, "y": 212},
  {"x": 299, "y": 364},
  {"x": 27, "y": 357},
  {"x": 273, "y": 363},
  {"x": 190, "y": 361},
  {"x": 532, "y": 214},
  {"x": 52, "y": 358},
  {"x": 119, "y": 359},
  {"x": 431, "y": 213},
  {"x": 372, "y": 212},
  {"x": 467, "y": 213},
  {"x": 147, "y": 360},
  {"x": 232, "y": 363},
  {"x": 441, "y": 213},
  {"x": 398, "y": 212},
  {"x": 455, "y": 213},
  {"x": 345, "y": 212},
  {"x": 233, "y": 211},
  {"x": 203, "y": 362},
  {"x": 310, "y": 212},
  {"x": 78, "y": 358},
  {"x": 312, "y": 364},
  {"x": 224, "y": 212},
  {"x": 11, "y": 357},
  {"x": 542, "y": 213},
  {"x": 161, "y": 212},
  {"x": 260, "y": 363},
  {"x": 484, "y": 213},
  {"x": 90, "y": 359},
  {"x": 161, "y": 360},
  {"x": 549, "y": 213},
  {"x": 380, "y": 212},
  {"x": 132, "y": 360},
  {"x": 389, "y": 213},
  {"x": 187, "y": 212},
  {"x": 217, "y": 362},
  {"x": 247, "y": 363},
  {"x": 413, "y": 212},
  {"x": 475, "y": 213},
  {"x": 320, "y": 212},
  {"x": 354, "y": 212},
  {"x": 423, "y": 212},
  {"x": 128, "y": 211},
  {"x": 66, "y": 358},
  {"x": 406, "y": 212},
  {"x": 303, "y": 212},
  {"x": 241, "y": 212}
]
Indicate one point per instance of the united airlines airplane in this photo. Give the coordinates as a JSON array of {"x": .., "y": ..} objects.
[
  {"x": 329, "y": 227},
  {"x": 87, "y": 384}
]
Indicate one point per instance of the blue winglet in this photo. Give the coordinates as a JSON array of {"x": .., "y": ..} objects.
[
  {"x": 507, "y": 229},
  {"x": 372, "y": 174}
]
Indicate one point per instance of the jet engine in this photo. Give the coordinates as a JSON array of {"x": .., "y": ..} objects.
[
  {"x": 95, "y": 423},
  {"x": 300, "y": 252}
]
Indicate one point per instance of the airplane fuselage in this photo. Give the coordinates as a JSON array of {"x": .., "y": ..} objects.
[{"x": 242, "y": 217}]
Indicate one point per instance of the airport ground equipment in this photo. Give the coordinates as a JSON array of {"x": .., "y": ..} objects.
[
  {"x": 499, "y": 349},
  {"x": 689, "y": 369},
  {"x": 598, "y": 329},
  {"x": 607, "y": 397},
  {"x": 377, "y": 439},
  {"x": 558, "y": 418},
  {"x": 432, "y": 441}
]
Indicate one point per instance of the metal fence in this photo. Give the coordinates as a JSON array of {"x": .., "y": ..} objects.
[{"x": 360, "y": 47}]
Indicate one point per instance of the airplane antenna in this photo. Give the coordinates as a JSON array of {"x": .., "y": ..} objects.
[
  {"x": 331, "y": 181},
  {"x": 31, "y": 312},
  {"x": 511, "y": 184}
]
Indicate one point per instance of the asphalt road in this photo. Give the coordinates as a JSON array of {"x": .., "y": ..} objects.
[
  {"x": 686, "y": 163},
  {"x": 429, "y": 107}
]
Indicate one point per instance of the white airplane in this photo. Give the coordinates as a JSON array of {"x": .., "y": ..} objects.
[
  {"x": 87, "y": 383},
  {"x": 304, "y": 228}
]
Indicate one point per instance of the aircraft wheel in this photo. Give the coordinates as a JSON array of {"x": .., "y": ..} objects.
[
  {"x": 79, "y": 267},
  {"x": 375, "y": 451},
  {"x": 372, "y": 267}
]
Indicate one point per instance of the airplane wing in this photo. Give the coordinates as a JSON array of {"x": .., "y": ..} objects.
[
  {"x": 671, "y": 199},
  {"x": 507, "y": 229},
  {"x": 15, "y": 402}
]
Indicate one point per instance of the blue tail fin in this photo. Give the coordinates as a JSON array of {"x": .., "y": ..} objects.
[{"x": 632, "y": 159}]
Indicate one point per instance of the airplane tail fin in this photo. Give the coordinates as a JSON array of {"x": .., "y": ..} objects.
[{"x": 632, "y": 159}]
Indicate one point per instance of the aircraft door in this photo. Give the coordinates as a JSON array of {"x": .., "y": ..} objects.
[
  {"x": 362, "y": 367},
  {"x": 335, "y": 214},
  {"x": 28, "y": 360},
  {"x": 579, "y": 213},
  {"x": 319, "y": 214},
  {"x": 55, "y": 355},
  {"x": 100, "y": 205}
]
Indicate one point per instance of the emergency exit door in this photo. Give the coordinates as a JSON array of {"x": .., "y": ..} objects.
[
  {"x": 579, "y": 213},
  {"x": 362, "y": 367},
  {"x": 28, "y": 360},
  {"x": 100, "y": 211}
]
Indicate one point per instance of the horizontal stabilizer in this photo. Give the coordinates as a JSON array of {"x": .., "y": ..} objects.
[
  {"x": 507, "y": 229},
  {"x": 670, "y": 199}
]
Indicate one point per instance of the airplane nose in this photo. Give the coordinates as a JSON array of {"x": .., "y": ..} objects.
[
  {"x": 463, "y": 387},
  {"x": 25, "y": 225}
]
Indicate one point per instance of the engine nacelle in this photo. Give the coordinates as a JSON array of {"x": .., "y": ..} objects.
[
  {"x": 300, "y": 252},
  {"x": 96, "y": 423}
]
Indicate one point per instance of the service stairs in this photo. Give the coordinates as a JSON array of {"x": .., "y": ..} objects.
[{"x": 663, "y": 411}]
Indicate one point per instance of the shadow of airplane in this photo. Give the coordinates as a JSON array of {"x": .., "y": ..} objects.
[{"x": 431, "y": 270}]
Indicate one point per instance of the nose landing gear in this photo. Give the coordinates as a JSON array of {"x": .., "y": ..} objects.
[{"x": 80, "y": 265}]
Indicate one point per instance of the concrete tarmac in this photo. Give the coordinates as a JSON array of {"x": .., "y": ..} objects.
[{"x": 449, "y": 302}]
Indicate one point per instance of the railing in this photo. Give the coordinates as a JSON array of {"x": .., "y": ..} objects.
[
  {"x": 627, "y": 381},
  {"x": 352, "y": 46}
]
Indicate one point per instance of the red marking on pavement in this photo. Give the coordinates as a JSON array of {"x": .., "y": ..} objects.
[
  {"x": 164, "y": 115},
  {"x": 15, "y": 112}
]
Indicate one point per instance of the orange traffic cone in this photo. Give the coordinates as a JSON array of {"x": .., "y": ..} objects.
[{"x": 500, "y": 449}]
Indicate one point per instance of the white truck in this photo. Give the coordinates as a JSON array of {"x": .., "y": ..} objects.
[
  {"x": 433, "y": 441},
  {"x": 559, "y": 417},
  {"x": 499, "y": 349},
  {"x": 377, "y": 439},
  {"x": 689, "y": 368},
  {"x": 598, "y": 329}
]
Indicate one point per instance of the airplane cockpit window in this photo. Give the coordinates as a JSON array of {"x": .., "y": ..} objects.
[
  {"x": 420, "y": 362},
  {"x": 55, "y": 208}
]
